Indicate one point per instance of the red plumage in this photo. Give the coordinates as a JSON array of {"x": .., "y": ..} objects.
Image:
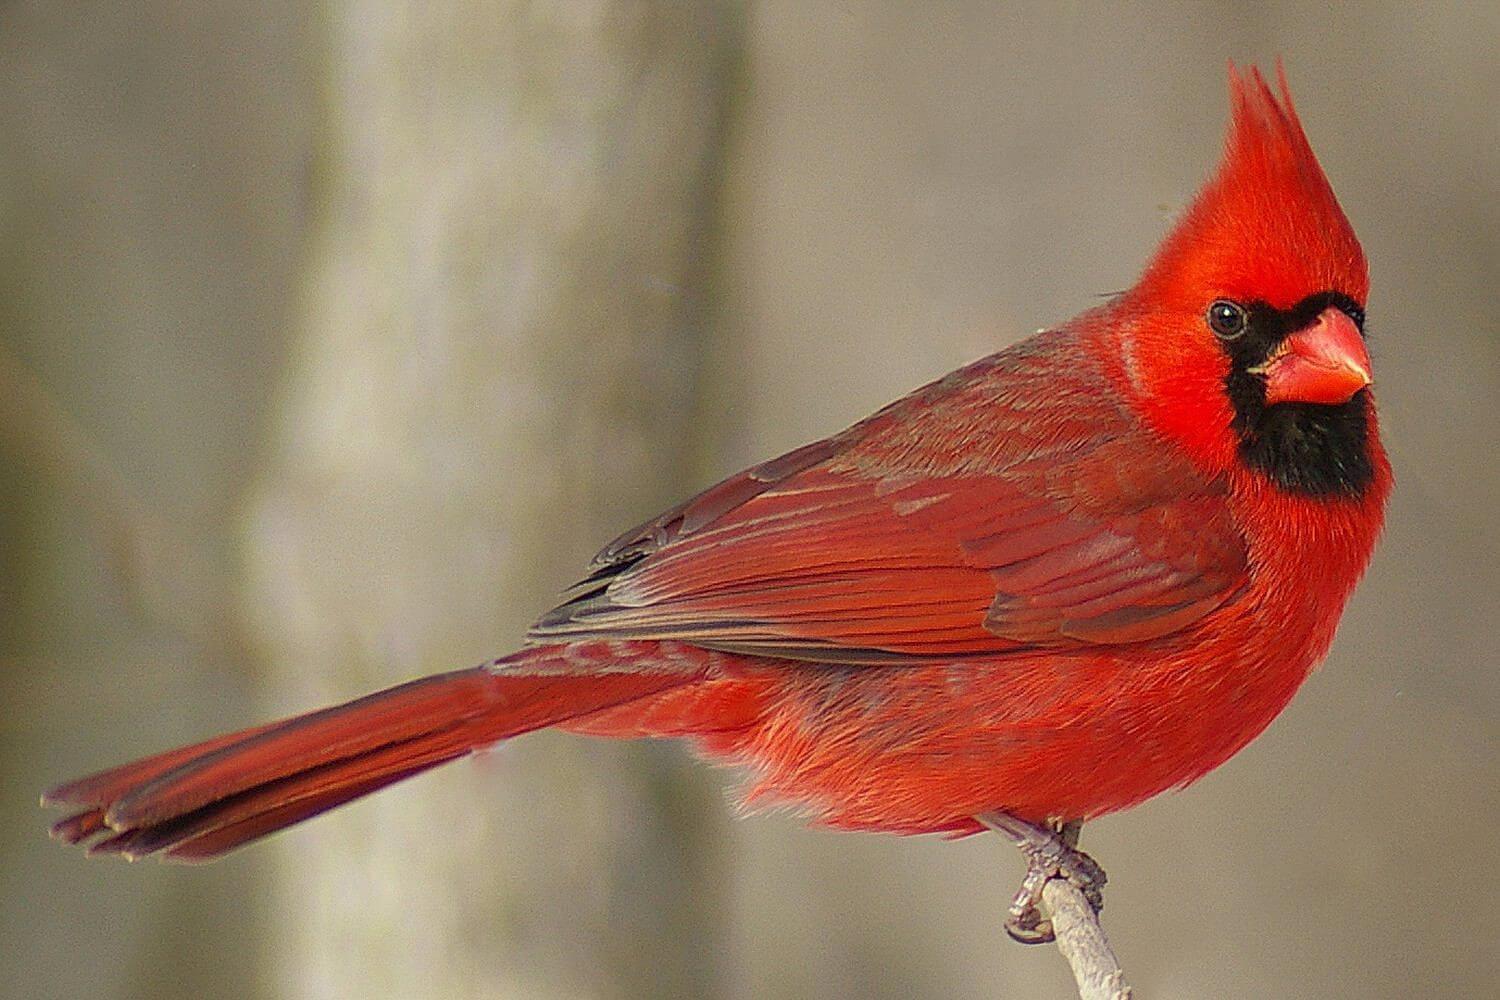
[{"x": 1067, "y": 577}]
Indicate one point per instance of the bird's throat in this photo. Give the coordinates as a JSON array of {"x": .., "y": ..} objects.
[{"x": 1310, "y": 449}]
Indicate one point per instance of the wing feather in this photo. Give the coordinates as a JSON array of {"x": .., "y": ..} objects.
[{"x": 1016, "y": 503}]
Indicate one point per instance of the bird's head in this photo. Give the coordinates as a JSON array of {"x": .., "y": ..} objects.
[{"x": 1247, "y": 327}]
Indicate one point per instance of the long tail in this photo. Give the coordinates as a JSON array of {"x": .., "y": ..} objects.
[{"x": 201, "y": 801}]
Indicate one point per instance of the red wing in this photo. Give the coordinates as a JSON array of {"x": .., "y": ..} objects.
[{"x": 976, "y": 516}]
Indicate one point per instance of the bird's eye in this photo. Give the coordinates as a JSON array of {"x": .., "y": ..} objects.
[{"x": 1227, "y": 319}]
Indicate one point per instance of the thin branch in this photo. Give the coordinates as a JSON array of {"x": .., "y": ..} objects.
[{"x": 1081, "y": 940}]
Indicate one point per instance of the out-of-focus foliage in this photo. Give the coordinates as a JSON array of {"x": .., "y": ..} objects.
[{"x": 334, "y": 337}]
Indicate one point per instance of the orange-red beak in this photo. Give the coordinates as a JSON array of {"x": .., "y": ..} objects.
[{"x": 1322, "y": 363}]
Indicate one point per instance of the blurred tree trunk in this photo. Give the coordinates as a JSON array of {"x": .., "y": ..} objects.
[{"x": 500, "y": 351}]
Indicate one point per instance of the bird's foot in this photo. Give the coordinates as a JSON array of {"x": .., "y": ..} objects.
[{"x": 1051, "y": 852}]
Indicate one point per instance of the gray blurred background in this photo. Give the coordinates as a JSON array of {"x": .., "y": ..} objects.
[{"x": 335, "y": 337}]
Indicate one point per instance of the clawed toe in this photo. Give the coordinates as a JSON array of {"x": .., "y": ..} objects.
[
  {"x": 1024, "y": 922},
  {"x": 1050, "y": 853}
]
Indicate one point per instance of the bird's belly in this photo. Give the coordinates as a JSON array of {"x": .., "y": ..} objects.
[{"x": 924, "y": 748}]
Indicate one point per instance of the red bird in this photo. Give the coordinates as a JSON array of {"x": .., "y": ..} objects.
[{"x": 1060, "y": 580}]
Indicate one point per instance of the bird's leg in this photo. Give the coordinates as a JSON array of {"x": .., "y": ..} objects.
[{"x": 1051, "y": 852}]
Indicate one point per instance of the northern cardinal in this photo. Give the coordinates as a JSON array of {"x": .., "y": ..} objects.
[{"x": 1060, "y": 580}]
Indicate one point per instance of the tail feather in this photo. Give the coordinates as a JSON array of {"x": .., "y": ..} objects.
[
  {"x": 307, "y": 742},
  {"x": 201, "y": 801},
  {"x": 216, "y": 829},
  {"x": 214, "y": 843},
  {"x": 111, "y": 784}
]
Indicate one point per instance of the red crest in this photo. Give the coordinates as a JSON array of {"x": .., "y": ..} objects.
[{"x": 1266, "y": 226}]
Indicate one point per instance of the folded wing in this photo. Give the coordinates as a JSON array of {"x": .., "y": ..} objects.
[{"x": 1014, "y": 504}]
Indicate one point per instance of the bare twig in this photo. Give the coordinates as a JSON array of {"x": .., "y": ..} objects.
[
  {"x": 1082, "y": 942},
  {"x": 1059, "y": 901}
]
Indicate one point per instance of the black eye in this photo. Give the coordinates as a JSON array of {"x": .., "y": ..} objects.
[{"x": 1227, "y": 319}]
